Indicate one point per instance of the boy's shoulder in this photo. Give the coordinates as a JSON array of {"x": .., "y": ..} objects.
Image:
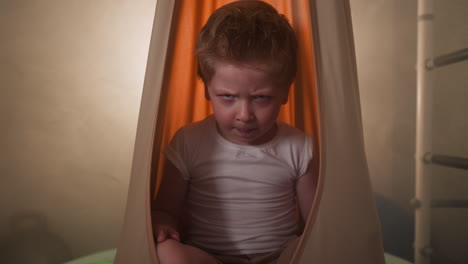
[
  {"x": 195, "y": 131},
  {"x": 290, "y": 136},
  {"x": 290, "y": 131},
  {"x": 200, "y": 126}
]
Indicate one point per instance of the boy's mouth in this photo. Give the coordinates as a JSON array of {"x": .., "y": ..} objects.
[{"x": 245, "y": 131}]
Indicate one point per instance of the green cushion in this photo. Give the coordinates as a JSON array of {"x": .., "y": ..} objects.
[
  {"x": 103, "y": 257},
  {"x": 107, "y": 257}
]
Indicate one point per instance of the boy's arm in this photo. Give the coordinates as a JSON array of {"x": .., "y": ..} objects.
[
  {"x": 305, "y": 188},
  {"x": 167, "y": 207}
]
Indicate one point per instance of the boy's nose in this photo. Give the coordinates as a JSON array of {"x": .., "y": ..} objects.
[{"x": 244, "y": 113}]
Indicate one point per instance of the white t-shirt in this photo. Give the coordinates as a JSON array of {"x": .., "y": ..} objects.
[{"x": 241, "y": 198}]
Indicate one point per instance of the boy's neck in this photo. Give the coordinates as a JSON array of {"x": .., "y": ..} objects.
[{"x": 269, "y": 136}]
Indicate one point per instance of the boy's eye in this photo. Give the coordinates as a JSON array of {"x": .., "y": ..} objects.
[
  {"x": 262, "y": 97},
  {"x": 226, "y": 96}
]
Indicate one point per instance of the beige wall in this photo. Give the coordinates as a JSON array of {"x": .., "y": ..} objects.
[
  {"x": 385, "y": 36},
  {"x": 71, "y": 76}
]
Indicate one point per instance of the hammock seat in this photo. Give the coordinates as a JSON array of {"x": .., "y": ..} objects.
[{"x": 343, "y": 225}]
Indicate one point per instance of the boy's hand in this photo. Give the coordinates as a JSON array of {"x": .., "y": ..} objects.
[{"x": 163, "y": 232}]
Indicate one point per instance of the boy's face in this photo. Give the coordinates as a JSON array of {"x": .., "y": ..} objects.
[{"x": 246, "y": 102}]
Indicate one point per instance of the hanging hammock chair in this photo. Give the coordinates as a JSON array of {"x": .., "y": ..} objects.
[{"x": 343, "y": 225}]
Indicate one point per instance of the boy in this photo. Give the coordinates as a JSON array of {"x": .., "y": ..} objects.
[{"x": 239, "y": 170}]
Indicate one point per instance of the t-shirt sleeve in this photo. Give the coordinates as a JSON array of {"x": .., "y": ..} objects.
[
  {"x": 177, "y": 153},
  {"x": 306, "y": 157}
]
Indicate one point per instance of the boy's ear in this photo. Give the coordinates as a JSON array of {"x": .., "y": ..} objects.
[
  {"x": 285, "y": 98},
  {"x": 207, "y": 95}
]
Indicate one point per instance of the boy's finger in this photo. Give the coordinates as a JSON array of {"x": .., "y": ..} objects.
[
  {"x": 175, "y": 236},
  {"x": 162, "y": 236}
]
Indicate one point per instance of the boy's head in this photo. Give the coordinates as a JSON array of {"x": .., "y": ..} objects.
[
  {"x": 248, "y": 32},
  {"x": 247, "y": 60}
]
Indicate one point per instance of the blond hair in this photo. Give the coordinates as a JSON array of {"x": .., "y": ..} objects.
[{"x": 248, "y": 32}]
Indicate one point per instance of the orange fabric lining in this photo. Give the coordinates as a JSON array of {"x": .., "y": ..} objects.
[{"x": 182, "y": 95}]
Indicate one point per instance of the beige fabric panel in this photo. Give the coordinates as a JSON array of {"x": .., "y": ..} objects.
[
  {"x": 346, "y": 227},
  {"x": 136, "y": 242}
]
